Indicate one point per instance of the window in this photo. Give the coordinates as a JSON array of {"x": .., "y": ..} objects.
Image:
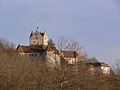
[
  {"x": 35, "y": 55},
  {"x": 40, "y": 54},
  {"x": 31, "y": 55},
  {"x": 36, "y": 37}
]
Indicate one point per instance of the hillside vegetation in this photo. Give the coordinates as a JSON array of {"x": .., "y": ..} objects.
[{"x": 20, "y": 73}]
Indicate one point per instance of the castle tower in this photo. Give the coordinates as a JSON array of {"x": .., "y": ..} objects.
[{"x": 38, "y": 38}]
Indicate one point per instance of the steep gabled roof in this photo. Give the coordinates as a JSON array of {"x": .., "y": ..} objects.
[
  {"x": 49, "y": 48},
  {"x": 95, "y": 64},
  {"x": 104, "y": 65},
  {"x": 52, "y": 48},
  {"x": 36, "y": 48},
  {"x": 36, "y": 33},
  {"x": 42, "y": 34},
  {"x": 29, "y": 49}
]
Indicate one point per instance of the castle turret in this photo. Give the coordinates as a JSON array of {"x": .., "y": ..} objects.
[
  {"x": 45, "y": 39},
  {"x": 38, "y": 38}
]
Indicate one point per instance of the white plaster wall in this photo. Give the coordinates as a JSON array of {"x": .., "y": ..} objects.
[
  {"x": 106, "y": 70},
  {"x": 71, "y": 60},
  {"x": 53, "y": 58}
]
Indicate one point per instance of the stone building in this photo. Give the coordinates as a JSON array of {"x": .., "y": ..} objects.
[
  {"x": 70, "y": 56},
  {"x": 38, "y": 38},
  {"x": 105, "y": 68},
  {"x": 41, "y": 48},
  {"x": 100, "y": 67}
]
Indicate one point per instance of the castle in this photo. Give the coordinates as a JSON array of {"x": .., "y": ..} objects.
[
  {"x": 38, "y": 38},
  {"x": 41, "y": 48}
]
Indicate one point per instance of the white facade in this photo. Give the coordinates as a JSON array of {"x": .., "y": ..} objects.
[
  {"x": 38, "y": 38},
  {"x": 52, "y": 58},
  {"x": 71, "y": 60},
  {"x": 40, "y": 55},
  {"x": 45, "y": 39},
  {"x": 105, "y": 68}
]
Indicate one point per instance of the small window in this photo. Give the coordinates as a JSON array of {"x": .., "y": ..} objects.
[
  {"x": 31, "y": 55},
  {"x": 41, "y": 54},
  {"x": 35, "y": 55},
  {"x": 36, "y": 37}
]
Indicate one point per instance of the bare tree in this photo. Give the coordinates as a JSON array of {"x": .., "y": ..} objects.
[
  {"x": 116, "y": 67},
  {"x": 6, "y": 44},
  {"x": 20, "y": 73},
  {"x": 68, "y": 45}
]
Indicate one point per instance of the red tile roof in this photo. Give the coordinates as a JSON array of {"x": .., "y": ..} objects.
[
  {"x": 96, "y": 64},
  {"x": 69, "y": 54},
  {"x": 29, "y": 49},
  {"x": 104, "y": 65},
  {"x": 36, "y": 48},
  {"x": 51, "y": 48}
]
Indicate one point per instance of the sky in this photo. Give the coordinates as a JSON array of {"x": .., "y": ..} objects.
[{"x": 94, "y": 23}]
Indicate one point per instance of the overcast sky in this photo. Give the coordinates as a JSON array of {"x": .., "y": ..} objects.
[{"x": 95, "y": 23}]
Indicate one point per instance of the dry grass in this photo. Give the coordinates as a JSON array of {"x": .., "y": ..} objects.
[{"x": 19, "y": 73}]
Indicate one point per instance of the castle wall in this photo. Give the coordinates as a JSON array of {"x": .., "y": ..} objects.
[
  {"x": 38, "y": 38},
  {"x": 45, "y": 39}
]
